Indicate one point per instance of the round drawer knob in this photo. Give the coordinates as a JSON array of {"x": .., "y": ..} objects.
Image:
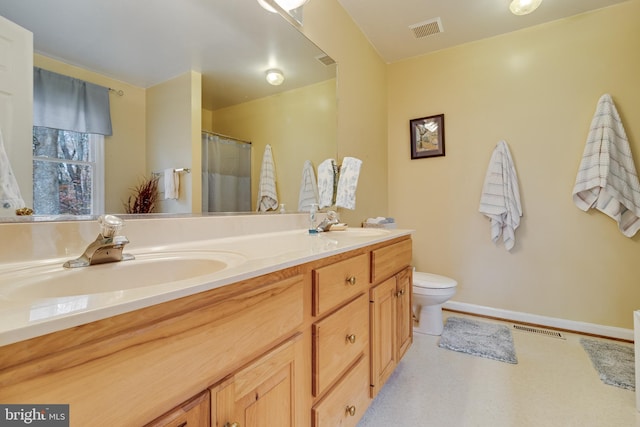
[
  {"x": 351, "y": 410},
  {"x": 351, "y": 280},
  {"x": 351, "y": 338},
  {"x": 231, "y": 425}
]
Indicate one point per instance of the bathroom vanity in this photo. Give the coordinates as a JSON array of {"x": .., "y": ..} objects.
[{"x": 304, "y": 332}]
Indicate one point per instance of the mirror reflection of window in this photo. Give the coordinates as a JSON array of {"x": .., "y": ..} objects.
[
  {"x": 68, "y": 170},
  {"x": 71, "y": 118}
]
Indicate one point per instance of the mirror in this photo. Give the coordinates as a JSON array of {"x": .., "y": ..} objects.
[{"x": 219, "y": 50}]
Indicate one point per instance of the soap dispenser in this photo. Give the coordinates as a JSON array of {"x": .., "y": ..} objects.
[{"x": 312, "y": 218}]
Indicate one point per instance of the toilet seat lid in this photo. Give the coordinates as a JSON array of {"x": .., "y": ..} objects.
[{"x": 429, "y": 280}]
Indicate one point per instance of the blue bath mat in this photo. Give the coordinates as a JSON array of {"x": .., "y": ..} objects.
[{"x": 488, "y": 340}]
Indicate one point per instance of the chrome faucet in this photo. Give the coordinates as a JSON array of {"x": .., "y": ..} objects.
[
  {"x": 330, "y": 219},
  {"x": 106, "y": 248}
]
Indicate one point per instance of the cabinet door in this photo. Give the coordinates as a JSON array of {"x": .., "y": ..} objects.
[
  {"x": 193, "y": 413},
  {"x": 261, "y": 394},
  {"x": 404, "y": 293},
  {"x": 383, "y": 333}
]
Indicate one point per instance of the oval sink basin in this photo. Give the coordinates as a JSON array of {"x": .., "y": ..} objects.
[{"x": 148, "y": 269}]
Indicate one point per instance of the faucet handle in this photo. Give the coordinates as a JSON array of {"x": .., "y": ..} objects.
[{"x": 110, "y": 225}]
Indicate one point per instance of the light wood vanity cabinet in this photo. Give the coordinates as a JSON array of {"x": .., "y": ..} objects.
[
  {"x": 346, "y": 374},
  {"x": 348, "y": 400},
  {"x": 391, "y": 315},
  {"x": 299, "y": 347},
  {"x": 195, "y": 412},
  {"x": 130, "y": 369},
  {"x": 264, "y": 392},
  {"x": 404, "y": 289},
  {"x": 335, "y": 284},
  {"x": 340, "y": 341}
]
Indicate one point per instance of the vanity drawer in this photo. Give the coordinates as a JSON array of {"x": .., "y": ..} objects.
[
  {"x": 338, "y": 340},
  {"x": 387, "y": 261},
  {"x": 339, "y": 282},
  {"x": 347, "y": 401}
]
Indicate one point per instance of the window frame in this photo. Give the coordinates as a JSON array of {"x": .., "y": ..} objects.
[{"x": 96, "y": 145}]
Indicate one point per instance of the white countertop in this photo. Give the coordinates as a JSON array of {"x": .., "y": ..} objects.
[{"x": 258, "y": 254}]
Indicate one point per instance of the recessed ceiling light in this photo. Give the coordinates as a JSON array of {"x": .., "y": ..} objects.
[
  {"x": 285, "y": 4},
  {"x": 275, "y": 77},
  {"x": 523, "y": 7}
]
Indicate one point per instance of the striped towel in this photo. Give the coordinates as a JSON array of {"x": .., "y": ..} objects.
[
  {"x": 500, "y": 200},
  {"x": 348, "y": 183},
  {"x": 607, "y": 178},
  {"x": 308, "y": 188},
  {"x": 267, "y": 196},
  {"x": 325, "y": 183},
  {"x": 10, "y": 196}
]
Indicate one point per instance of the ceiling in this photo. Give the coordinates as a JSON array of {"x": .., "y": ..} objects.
[
  {"x": 233, "y": 42},
  {"x": 386, "y": 23},
  {"x": 146, "y": 42}
]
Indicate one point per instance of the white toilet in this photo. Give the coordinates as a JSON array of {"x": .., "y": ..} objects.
[{"x": 430, "y": 291}]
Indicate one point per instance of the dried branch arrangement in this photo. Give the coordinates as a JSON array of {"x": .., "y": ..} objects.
[{"x": 144, "y": 197}]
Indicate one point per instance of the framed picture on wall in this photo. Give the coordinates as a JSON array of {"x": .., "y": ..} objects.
[{"x": 427, "y": 136}]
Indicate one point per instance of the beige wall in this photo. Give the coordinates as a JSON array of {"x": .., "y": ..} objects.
[
  {"x": 537, "y": 89},
  {"x": 173, "y": 121},
  {"x": 125, "y": 149},
  {"x": 362, "y": 102},
  {"x": 299, "y": 125}
]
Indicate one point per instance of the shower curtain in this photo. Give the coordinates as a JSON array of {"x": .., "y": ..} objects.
[{"x": 226, "y": 174}]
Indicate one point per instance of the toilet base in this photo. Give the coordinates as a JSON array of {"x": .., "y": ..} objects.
[{"x": 429, "y": 320}]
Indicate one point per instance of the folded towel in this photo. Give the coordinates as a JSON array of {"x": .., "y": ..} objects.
[
  {"x": 348, "y": 183},
  {"x": 171, "y": 184},
  {"x": 607, "y": 178},
  {"x": 500, "y": 200},
  {"x": 10, "y": 196},
  {"x": 376, "y": 220},
  {"x": 308, "y": 188},
  {"x": 267, "y": 196},
  {"x": 325, "y": 183}
]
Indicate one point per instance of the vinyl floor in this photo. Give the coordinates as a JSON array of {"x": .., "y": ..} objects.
[{"x": 553, "y": 384}]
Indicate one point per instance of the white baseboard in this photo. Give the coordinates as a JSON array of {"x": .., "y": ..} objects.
[{"x": 551, "y": 322}]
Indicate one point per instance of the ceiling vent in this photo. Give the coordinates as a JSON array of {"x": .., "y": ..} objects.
[
  {"x": 326, "y": 60},
  {"x": 426, "y": 28}
]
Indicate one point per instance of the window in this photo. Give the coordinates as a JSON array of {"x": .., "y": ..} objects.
[
  {"x": 68, "y": 172},
  {"x": 68, "y": 165}
]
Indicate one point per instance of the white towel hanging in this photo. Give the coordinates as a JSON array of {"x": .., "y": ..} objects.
[
  {"x": 500, "y": 200},
  {"x": 325, "y": 183},
  {"x": 308, "y": 188},
  {"x": 607, "y": 177},
  {"x": 10, "y": 196},
  {"x": 348, "y": 183},
  {"x": 267, "y": 196},
  {"x": 171, "y": 184}
]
